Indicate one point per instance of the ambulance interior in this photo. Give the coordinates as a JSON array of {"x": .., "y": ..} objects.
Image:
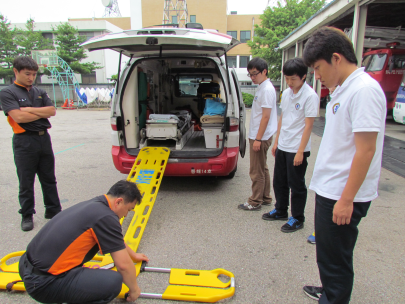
[{"x": 176, "y": 103}]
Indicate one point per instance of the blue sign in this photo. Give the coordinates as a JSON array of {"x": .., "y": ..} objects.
[
  {"x": 401, "y": 94},
  {"x": 144, "y": 177}
]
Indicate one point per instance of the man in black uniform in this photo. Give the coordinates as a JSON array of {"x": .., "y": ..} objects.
[
  {"x": 28, "y": 109},
  {"x": 52, "y": 268}
]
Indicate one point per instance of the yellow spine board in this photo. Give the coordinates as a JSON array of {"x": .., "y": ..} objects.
[
  {"x": 206, "y": 278},
  {"x": 147, "y": 173}
]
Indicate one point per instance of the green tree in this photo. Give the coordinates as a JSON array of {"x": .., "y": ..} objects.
[
  {"x": 29, "y": 40},
  {"x": 68, "y": 46},
  {"x": 277, "y": 23},
  {"x": 8, "y": 49}
]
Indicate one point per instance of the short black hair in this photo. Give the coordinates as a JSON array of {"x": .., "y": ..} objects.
[
  {"x": 25, "y": 62},
  {"x": 326, "y": 41},
  {"x": 295, "y": 66},
  {"x": 259, "y": 64},
  {"x": 127, "y": 190}
]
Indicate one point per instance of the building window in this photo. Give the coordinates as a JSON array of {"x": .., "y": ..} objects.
[
  {"x": 231, "y": 61},
  {"x": 89, "y": 78},
  {"x": 234, "y": 34},
  {"x": 244, "y": 36},
  {"x": 174, "y": 19},
  {"x": 88, "y": 35},
  {"x": 193, "y": 18},
  {"x": 243, "y": 61}
]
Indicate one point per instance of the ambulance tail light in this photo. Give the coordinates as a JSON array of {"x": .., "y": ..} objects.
[
  {"x": 232, "y": 124},
  {"x": 116, "y": 123}
]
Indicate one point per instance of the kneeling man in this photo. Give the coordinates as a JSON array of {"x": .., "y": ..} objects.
[{"x": 52, "y": 268}]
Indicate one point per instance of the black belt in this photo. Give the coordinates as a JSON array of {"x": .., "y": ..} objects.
[{"x": 43, "y": 132}]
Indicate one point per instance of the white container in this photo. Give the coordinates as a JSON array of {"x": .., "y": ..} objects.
[
  {"x": 213, "y": 136},
  {"x": 161, "y": 130}
]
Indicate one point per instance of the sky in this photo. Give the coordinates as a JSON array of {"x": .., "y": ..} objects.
[{"x": 61, "y": 10}]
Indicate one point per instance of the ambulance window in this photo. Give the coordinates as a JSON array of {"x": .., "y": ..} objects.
[
  {"x": 188, "y": 84},
  {"x": 376, "y": 62}
]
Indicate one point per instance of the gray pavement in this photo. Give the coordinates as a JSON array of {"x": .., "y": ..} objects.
[{"x": 195, "y": 223}]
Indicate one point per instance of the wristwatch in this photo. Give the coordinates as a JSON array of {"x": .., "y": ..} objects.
[{"x": 258, "y": 140}]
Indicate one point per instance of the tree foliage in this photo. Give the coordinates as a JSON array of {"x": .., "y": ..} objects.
[
  {"x": 277, "y": 22},
  {"x": 29, "y": 40},
  {"x": 68, "y": 43},
  {"x": 8, "y": 48},
  {"x": 247, "y": 99}
]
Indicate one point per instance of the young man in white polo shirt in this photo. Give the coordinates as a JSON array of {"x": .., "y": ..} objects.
[
  {"x": 263, "y": 124},
  {"x": 292, "y": 146},
  {"x": 348, "y": 165}
]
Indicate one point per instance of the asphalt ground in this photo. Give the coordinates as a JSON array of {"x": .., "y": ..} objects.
[{"x": 195, "y": 223}]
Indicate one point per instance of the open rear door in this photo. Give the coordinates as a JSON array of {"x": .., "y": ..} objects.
[
  {"x": 242, "y": 115},
  {"x": 164, "y": 42}
]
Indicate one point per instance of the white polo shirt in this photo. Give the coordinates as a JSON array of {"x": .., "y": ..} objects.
[
  {"x": 265, "y": 98},
  {"x": 359, "y": 105},
  {"x": 295, "y": 108}
]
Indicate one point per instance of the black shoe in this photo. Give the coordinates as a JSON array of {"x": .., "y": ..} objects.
[
  {"x": 275, "y": 215},
  {"x": 313, "y": 292},
  {"x": 292, "y": 225},
  {"x": 248, "y": 207},
  {"x": 27, "y": 223},
  {"x": 49, "y": 215}
]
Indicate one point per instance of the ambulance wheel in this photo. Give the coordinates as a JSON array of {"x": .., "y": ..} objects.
[{"x": 232, "y": 174}]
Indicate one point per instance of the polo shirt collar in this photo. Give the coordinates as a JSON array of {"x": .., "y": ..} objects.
[
  {"x": 263, "y": 84},
  {"x": 108, "y": 201},
  {"x": 21, "y": 86},
  {"x": 346, "y": 83},
  {"x": 299, "y": 92}
]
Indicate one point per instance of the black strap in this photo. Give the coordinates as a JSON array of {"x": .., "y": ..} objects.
[{"x": 10, "y": 285}]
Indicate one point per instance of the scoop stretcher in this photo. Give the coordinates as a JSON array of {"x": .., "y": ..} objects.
[{"x": 185, "y": 284}]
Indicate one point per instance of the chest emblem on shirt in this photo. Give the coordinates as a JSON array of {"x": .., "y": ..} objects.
[
  {"x": 40, "y": 97},
  {"x": 22, "y": 100},
  {"x": 255, "y": 98},
  {"x": 297, "y": 106},
  {"x": 335, "y": 107}
]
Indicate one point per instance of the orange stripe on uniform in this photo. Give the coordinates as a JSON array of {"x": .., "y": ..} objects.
[
  {"x": 16, "y": 127},
  {"x": 75, "y": 253}
]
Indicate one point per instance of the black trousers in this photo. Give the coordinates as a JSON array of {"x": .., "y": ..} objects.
[
  {"x": 287, "y": 176},
  {"x": 78, "y": 285},
  {"x": 33, "y": 155},
  {"x": 334, "y": 250}
]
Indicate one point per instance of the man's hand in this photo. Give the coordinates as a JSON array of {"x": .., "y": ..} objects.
[
  {"x": 342, "y": 212},
  {"x": 256, "y": 145},
  {"x": 274, "y": 148},
  {"x": 299, "y": 156},
  {"x": 133, "y": 295},
  {"x": 139, "y": 257}
]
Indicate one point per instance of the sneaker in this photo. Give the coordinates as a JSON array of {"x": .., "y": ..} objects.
[
  {"x": 311, "y": 238},
  {"x": 275, "y": 215},
  {"x": 27, "y": 223},
  {"x": 249, "y": 207},
  {"x": 49, "y": 215},
  {"x": 313, "y": 292},
  {"x": 292, "y": 225}
]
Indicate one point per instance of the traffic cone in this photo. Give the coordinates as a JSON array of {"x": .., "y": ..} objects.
[{"x": 65, "y": 104}]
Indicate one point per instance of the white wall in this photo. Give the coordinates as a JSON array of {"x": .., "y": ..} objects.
[{"x": 136, "y": 14}]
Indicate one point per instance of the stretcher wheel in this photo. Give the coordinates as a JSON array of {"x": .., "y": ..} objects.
[{"x": 143, "y": 133}]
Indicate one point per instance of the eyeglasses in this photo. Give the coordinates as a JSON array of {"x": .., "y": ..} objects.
[{"x": 253, "y": 75}]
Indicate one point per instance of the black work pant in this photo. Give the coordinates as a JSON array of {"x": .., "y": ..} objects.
[
  {"x": 287, "y": 176},
  {"x": 78, "y": 285},
  {"x": 334, "y": 250},
  {"x": 33, "y": 154}
]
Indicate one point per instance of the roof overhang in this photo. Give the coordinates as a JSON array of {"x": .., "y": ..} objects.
[{"x": 323, "y": 17}]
